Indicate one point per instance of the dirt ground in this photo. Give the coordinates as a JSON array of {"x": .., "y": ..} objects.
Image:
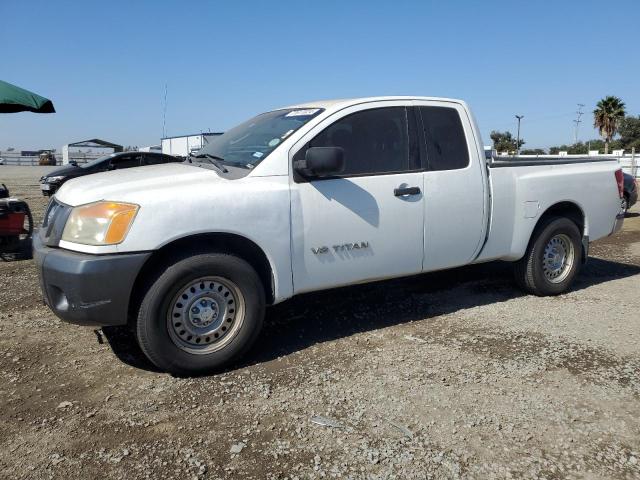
[{"x": 448, "y": 375}]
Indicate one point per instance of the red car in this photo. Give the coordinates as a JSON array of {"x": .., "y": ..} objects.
[{"x": 16, "y": 222}]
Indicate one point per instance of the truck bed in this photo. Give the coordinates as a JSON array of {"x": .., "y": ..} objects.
[
  {"x": 518, "y": 161},
  {"x": 523, "y": 189}
]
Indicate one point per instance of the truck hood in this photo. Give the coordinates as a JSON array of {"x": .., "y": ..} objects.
[{"x": 134, "y": 184}]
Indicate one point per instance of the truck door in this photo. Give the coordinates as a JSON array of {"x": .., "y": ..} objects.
[
  {"x": 366, "y": 223},
  {"x": 454, "y": 186}
]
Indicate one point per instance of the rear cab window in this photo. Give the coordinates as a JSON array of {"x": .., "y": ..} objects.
[{"x": 444, "y": 137}]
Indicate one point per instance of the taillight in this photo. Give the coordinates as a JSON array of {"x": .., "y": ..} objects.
[{"x": 620, "y": 182}]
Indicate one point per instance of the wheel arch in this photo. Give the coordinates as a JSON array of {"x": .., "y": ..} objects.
[
  {"x": 572, "y": 211},
  {"x": 568, "y": 209},
  {"x": 222, "y": 242}
]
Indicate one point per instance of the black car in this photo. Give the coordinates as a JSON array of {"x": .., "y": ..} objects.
[
  {"x": 630, "y": 191},
  {"x": 52, "y": 181}
]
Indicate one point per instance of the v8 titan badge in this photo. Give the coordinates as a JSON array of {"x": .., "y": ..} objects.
[{"x": 341, "y": 248}]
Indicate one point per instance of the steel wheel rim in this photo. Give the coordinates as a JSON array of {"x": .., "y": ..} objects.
[
  {"x": 558, "y": 259},
  {"x": 205, "y": 315}
]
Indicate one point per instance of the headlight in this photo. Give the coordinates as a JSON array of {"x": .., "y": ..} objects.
[
  {"x": 54, "y": 179},
  {"x": 100, "y": 223}
]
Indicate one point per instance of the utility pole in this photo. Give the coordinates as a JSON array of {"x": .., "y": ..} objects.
[
  {"x": 577, "y": 121},
  {"x": 519, "y": 117},
  {"x": 164, "y": 112}
]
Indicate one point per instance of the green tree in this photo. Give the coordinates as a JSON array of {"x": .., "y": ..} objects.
[
  {"x": 582, "y": 148},
  {"x": 606, "y": 118},
  {"x": 630, "y": 133},
  {"x": 595, "y": 144},
  {"x": 575, "y": 149},
  {"x": 504, "y": 141},
  {"x": 533, "y": 151},
  {"x": 598, "y": 144}
]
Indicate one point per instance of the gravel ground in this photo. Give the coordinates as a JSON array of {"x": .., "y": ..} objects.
[{"x": 448, "y": 375}]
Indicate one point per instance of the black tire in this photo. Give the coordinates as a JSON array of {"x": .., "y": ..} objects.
[
  {"x": 167, "y": 349},
  {"x": 26, "y": 247},
  {"x": 28, "y": 232},
  {"x": 530, "y": 272}
]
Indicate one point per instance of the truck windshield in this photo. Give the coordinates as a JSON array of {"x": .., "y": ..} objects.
[{"x": 249, "y": 143}]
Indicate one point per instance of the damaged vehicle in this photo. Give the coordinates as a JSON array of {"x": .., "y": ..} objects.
[{"x": 16, "y": 223}]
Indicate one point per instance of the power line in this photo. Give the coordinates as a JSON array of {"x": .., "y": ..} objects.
[
  {"x": 535, "y": 120},
  {"x": 577, "y": 121}
]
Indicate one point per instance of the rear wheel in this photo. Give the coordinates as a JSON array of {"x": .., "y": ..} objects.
[
  {"x": 200, "y": 314},
  {"x": 552, "y": 259}
]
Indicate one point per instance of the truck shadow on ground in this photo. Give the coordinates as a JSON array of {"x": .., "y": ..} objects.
[
  {"x": 325, "y": 316},
  {"x": 319, "y": 317}
]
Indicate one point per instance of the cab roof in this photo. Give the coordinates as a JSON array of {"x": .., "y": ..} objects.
[{"x": 337, "y": 104}]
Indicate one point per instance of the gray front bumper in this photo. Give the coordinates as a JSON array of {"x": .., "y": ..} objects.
[{"x": 87, "y": 289}]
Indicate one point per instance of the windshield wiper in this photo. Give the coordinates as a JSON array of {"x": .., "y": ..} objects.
[{"x": 215, "y": 161}]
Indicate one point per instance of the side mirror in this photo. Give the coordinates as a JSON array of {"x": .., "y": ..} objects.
[
  {"x": 321, "y": 162},
  {"x": 73, "y": 163}
]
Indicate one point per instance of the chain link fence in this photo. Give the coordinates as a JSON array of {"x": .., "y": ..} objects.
[{"x": 16, "y": 158}]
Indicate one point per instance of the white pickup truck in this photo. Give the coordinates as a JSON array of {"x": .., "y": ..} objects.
[{"x": 306, "y": 198}]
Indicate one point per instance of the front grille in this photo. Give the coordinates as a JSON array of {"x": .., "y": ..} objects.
[{"x": 53, "y": 223}]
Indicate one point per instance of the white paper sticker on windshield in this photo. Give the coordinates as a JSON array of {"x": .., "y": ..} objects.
[
  {"x": 258, "y": 154},
  {"x": 302, "y": 113},
  {"x": 274, "y": 142}
]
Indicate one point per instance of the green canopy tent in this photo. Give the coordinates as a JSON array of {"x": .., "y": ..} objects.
[
  {"x": 15, "y": 99},
  {"x": 15, "y": 233}
]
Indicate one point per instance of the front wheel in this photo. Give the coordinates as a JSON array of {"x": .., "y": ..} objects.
[
  {"x": 552, "y": 259},
  {"x": 200, "y": 314}
]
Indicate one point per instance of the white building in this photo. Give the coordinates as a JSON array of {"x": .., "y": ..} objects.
[
  {"x": 94, "y": 148},
  {"x": 151, "y": 148},
  {"x": 183, "y": 145}
]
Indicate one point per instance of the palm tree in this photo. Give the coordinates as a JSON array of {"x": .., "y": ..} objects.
[{"x": 606, "y": 118}]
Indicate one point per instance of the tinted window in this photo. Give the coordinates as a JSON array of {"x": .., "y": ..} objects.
[
  {"x": 446, "y": 141},
  {"x": 157, "y": 159},
  {"x": 374, "y": 141},
  {"x": 126, "y": 161},
  {"x": 170, "y": 158},
  {"x": 100, "y": 163}
]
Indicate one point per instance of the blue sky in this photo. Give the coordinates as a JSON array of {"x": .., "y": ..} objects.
[{"x": 105, "y": 64}]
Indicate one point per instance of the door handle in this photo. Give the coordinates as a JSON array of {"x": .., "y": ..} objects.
[{"x": 401, "y": 192}]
